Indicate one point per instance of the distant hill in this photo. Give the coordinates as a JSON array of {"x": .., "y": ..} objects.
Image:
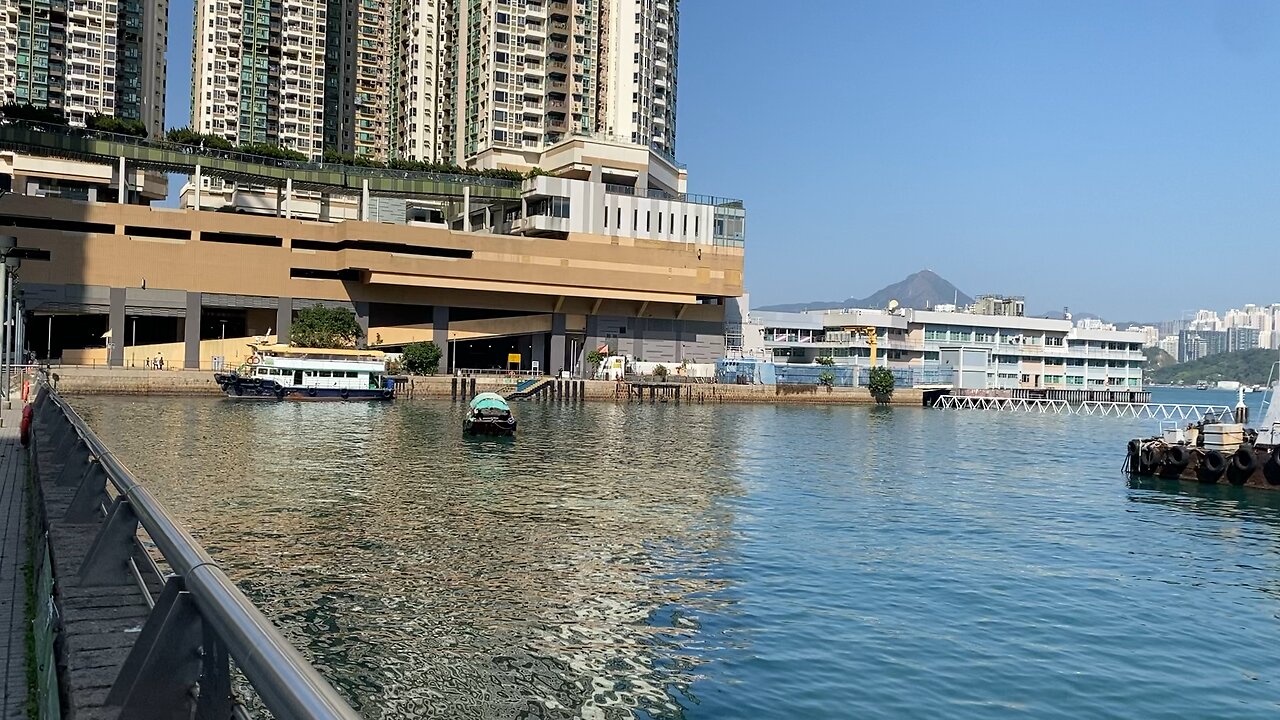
[
  {"x": 1158, "y": 359},
  {"x": 920, "y": 290},
  {"x": 1250, "y": 367}
]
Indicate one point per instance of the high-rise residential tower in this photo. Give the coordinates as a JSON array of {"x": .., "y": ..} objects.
[
  {"x": 86, "y": 57},
  {"x": 483, "y": 83}
]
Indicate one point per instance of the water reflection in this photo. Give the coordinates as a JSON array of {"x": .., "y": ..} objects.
[{"x": 558, "y": 575}]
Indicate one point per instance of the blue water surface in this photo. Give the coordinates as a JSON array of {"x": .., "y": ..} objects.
[{"x": 722, "y": 561}]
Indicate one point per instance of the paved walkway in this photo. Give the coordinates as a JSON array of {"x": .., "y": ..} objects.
[{"x": 14, "y": 632}]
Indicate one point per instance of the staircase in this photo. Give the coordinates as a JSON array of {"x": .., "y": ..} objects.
[{"x": 527, "y": 388}]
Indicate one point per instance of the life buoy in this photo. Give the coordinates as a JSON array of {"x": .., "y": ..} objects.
[
  {"x": 253, "y": 360},
  {"x": 1243, "y": 463},
  {"x": 1212, "y": 465},
  {"x": 345, "y": 394}
]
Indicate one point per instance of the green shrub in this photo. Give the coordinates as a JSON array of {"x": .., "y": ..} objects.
[
  {"x": 31, "y": 113},
  {"x": 112, "y": 124},
  {"x": 660, "y": 372},
  {"x": 828, "y": 361},
  {"x": 827, "y": 378},
  {"x": 421, "y": 358},
  {"x": 881, "y": 382},
  {"x": 322, "y": 327}
]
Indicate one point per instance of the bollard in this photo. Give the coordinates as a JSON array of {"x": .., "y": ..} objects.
[
  {"x": 453, "y": 391},
  {"x": 473, "y": 388}
]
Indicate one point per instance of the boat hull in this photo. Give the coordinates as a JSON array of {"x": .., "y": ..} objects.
[
  {"x": 492, "y": 427},
  {"x": 1255, "y": 466},
  {"x": 237, "y": 387}
]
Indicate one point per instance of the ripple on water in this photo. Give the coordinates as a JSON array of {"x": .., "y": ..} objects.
[{"x": 719, "y": 561}]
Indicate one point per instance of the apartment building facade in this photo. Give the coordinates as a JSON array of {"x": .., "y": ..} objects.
[
  {"x": 86, "y": 57},
  {"x": 482, "y": 83}
]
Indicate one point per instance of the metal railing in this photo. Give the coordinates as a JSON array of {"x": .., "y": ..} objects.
[{"x": 200, "y": 613}]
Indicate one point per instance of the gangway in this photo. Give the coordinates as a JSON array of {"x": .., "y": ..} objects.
[
  {"x": 528, "y": 388},
  {"x": 1151, "y": 411}
]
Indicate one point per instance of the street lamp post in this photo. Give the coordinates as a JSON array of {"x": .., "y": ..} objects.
[
  {"x": 7, "y": 243},
  {"x": 133, "y": 352}
]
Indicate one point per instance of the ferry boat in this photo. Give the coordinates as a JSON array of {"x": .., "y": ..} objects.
[
  {"x": 489, "y": 414},
  {"x": 283, "y": 372}
]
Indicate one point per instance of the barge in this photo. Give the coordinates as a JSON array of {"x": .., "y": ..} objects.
[
  {"x": 1214, "y": 450},
  {"x": 283, "y": 372}
]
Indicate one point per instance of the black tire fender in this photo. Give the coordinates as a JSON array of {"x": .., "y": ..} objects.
[
  {"x": 1212, "y": 465},
  {"x": 1177, "y": 455},
  {"x": 345, "y": 394}
]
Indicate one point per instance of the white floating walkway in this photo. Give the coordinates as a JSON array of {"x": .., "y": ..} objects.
[{"x": 1154, "y": 411}]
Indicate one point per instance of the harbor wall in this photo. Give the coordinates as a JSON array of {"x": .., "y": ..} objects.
[{"x": 115, "y": 381}]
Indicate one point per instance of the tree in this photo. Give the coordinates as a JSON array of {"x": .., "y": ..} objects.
[
  {"x": 322, "y": 327},
  {"x": 31, "y": 113},
  {"x": 828, "y": 361},
  {"x": 827, "y": 379},
  {"x": 660, "y": 372},
  {"x": 881, "y": 382},
  {"x": 421, "y": 358},
  {"x": 112, "y": 124}
]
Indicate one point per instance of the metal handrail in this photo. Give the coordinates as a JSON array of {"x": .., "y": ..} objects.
[{"x": 285, "y": 681}]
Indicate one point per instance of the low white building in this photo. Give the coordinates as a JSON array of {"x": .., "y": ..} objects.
[{"x": 975, "y": 351}]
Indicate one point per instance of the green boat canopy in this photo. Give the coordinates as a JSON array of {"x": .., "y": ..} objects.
[{"x": 489, "y": 401}]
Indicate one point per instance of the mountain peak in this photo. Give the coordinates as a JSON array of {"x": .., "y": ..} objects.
[{"x": 920, "y": 290}]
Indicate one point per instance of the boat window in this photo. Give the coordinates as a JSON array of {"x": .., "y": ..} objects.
[{"x": 325, "y": 373}]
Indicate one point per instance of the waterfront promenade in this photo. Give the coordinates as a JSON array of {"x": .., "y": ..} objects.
[{"x": 14, "y": 554}]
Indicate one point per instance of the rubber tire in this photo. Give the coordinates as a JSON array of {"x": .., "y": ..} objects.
[
  {"x": 1212, "y": 465},
  {"x": 1177, "y": 456},
  {"x": 280, "y": 393},
  {"x": 1150, "y": 458},
  {"x": 1135, "y": 446},
  {"x": 1271, "y": 468},
  {"x": 311, "y": 392},
  {"x": 345, "y": 395},
  {"x": 1243, "y": 465},
  {"x": 239, "y": 390},
  {"x": 386, "y": 394}
]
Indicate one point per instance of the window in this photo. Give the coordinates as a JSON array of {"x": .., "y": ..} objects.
[
  {"x": 648, "y": 218},
  {"x": 659, "y": 222}
]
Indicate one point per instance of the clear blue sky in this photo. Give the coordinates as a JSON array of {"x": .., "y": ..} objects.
[{"x": 1117, "y": 157}]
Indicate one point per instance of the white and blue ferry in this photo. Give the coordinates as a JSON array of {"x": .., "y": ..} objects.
[{"x": 283, "y": 372}]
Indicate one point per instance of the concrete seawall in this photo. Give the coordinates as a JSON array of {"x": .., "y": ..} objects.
[{"x": 100, "y": 381}]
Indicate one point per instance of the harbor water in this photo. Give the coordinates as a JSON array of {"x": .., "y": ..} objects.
[{"x": 714, "y": 561}]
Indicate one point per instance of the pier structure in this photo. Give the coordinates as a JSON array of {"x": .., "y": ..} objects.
[
  {"x": 1041, "y": 406},
  {"x": 147, "y": 623}
]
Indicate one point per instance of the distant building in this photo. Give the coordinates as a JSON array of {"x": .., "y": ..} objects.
[
  {"x": 1169, "y": 344},
  {"x": 971, "y": 350},
  {"x": 1242, "y": 338},
  {"x": 1002, "y": 305},
  {"x": 1150, "y": 332}
]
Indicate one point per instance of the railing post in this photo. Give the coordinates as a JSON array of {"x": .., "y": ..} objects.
[
  {"x": 108, "y": 557},
  {"x": 75, "y": 465},
  {"x": 156, "y": 680},
  {"x": 88, "y": 497}
]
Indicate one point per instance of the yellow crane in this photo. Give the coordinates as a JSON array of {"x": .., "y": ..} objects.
[{"x": 869, "y": 332}]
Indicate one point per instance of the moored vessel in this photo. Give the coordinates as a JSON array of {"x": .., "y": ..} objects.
[
  {"x": 489, "y": 414},
  {"x": 1213, "y": 450},
  {"x": 283, "y": 372}
]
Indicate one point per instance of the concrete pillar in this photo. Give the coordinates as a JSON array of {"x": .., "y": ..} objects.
[
  {"x": 557, "y": 361},
  {"x": 440, "y": 335},
  {"x": 466, "y": 209},
  {"x": 196, "y": 184},
  {"x": 124, "y": 185},
  {"x": 540, "y": 352},
  {"x": 364, "y": 199},
  {"x": 288, "y": 197},
  {"x": 191, "y": 333},
  {"x": 115, "y": 323},
  {"x": 279, "y": 200},
  {"x": 284, "y": 320},
  {"x": 362, "y": 318}
]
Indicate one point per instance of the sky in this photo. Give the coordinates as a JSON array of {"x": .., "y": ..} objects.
[{"x": 1119, "y": 158}]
